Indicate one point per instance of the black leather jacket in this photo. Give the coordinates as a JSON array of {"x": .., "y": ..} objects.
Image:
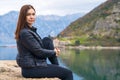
[{"x": 30, "y": 49}]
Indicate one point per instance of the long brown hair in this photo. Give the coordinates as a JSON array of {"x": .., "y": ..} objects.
[{"x": 22, "y": 19}]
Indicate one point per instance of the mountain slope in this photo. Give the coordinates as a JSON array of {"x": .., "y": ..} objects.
[{"x": 101, "y": 24}]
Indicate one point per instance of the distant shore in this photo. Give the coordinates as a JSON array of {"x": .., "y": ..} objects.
[
  {"x": 91, "y": 47},
  {"x": 62, "y": 44},
  {"x": 9, "y": 70}
]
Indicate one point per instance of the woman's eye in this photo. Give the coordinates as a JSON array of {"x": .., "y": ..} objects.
[
  {"x": 33, "y": 14},
  {"x": 30, "y": 14}
]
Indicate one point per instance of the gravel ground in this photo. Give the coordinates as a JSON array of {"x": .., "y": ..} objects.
[{"x": 10, "y": 71}]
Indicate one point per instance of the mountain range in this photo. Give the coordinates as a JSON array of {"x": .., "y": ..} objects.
[{"x": 46, "y": 25}]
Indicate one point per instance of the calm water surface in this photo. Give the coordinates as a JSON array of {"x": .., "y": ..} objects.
[
  {"x": 93, "y": 64},
  {"x": 86, "y": 64},
  {"x": 8, "y": 53}
]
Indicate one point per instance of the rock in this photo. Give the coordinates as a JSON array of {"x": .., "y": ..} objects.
[{"x": 9, "y": 70}]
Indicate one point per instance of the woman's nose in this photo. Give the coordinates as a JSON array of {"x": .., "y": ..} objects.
[{"x": 32, "y": 16}]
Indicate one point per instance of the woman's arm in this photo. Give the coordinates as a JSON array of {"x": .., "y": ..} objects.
[{"x": 28, "y": 40}]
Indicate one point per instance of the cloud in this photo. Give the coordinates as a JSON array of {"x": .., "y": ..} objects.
[
  {"x": 44, "y": 7},
  {"x": 69, "y": 6}
]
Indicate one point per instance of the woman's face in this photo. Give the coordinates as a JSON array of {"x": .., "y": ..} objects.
[{"x": 30, "y": 17}]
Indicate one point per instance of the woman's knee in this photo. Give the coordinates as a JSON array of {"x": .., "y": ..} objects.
[{"x": 48, "y": 43}]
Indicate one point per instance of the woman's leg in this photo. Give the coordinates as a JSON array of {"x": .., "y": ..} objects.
[
  {"x": 48, "y": 44},
  {"x": 50, "y": 72}
]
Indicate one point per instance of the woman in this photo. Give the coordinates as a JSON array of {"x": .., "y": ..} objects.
[{"x": 33, "y": 51}]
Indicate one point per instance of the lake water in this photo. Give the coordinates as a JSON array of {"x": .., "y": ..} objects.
[
  {"x": 8, "y": 53},
  {"x": 93, "y": 64},
  {"x": 86, "y": 64}
]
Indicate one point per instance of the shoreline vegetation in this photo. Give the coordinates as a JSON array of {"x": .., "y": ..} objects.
[
  {"x": 9, "y": 70},
  {"x": 64, "y": 44}
]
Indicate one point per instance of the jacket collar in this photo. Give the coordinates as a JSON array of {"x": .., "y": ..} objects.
[{"x": 31, "y": 28}]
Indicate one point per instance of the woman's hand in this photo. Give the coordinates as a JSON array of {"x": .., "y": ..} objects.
[{"x": 57, "y": 51}]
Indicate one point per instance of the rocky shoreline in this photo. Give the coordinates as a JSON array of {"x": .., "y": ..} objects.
[
  {"x": 91, "y": 47},
  {"x": 9, "y": 70},
  {"x": 62, "y": 44}
]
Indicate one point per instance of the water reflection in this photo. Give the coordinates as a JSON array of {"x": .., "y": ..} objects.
[{"x": 93, "y": 64}]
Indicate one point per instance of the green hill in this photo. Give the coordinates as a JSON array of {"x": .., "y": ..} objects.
[{"x": 101, "y": 26}]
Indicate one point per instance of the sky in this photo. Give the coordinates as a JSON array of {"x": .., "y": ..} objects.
[{"x": 51, "y": 7}]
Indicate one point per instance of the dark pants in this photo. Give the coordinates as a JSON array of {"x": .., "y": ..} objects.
[
  {"x": 48, "y": 44},
  {"x": 51, "y": 71}
]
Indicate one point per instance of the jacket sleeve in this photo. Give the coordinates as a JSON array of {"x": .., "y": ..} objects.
[{"x": 28, "y": 40}]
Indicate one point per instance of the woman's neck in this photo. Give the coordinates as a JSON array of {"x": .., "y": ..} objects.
[{"x": 30, "y": 25}]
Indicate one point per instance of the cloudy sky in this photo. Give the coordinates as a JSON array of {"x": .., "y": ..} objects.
[{"x": 57, "y": 7}]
